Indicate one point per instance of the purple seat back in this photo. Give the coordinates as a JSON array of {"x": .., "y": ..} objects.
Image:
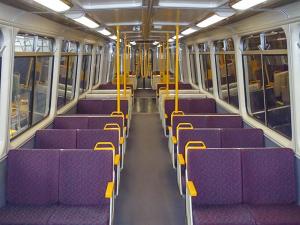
[
  {"x": 199, "y": 105},
  {"x": 32, "y": 177},
  {"x": 211, "y": 138},
  {"x": 209, "y": 121},
  {"x": 181, "y": 86},
  {"x": 70, "y": 122},
  {"x": 83, "y": 177},
  {"x": 92, "y": 106},
  {"x": 269, "y": 176},
  {"x": 96, "y": 122},
  {"x": 55, "y": 139},
  {"x": 216, "y": 174},
  {"x": 88, "y": 138},
  {"x": 242, "y": 138}
]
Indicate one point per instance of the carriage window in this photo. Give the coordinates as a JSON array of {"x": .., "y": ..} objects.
[
  {"x": 32, "y": 78},
  {"x": 193, "y": 65},
  {"x": 85, "y": 70},
  {"x": 98, "y": 61},
  {"x": 267, "y": 80},
  {"x": 226, "y": 71},
  {"x": 68, "y": 70},
  {"x": 205, "y": 67}
]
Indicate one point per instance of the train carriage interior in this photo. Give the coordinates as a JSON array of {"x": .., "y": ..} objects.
[{"x": 149, "y": 112}]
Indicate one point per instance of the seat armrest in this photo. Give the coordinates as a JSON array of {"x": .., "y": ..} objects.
[
  {"x": 181, "y": 160},
  {"x": 174, "y": 140},
  {"x": 191, "y": 189},
  {"x": 109, "y": 190},
  {"x": 117, "y": 159}
]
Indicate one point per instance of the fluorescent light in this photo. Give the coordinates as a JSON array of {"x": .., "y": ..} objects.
[
  {"x": 113, "y": 5},
  {"x": 55, "y": 5},
  {"x": 188, "y": 31},
  {"x": 86, "y": 22},
  {"x": 179, "y": 36},
  {"x": 171, "y": 40},
  {"x": 246, "y": 4},
  {"x": 104, "y": 32},
  {"x": 113, "y": 37},
  {"x": 158, "y": 46},
  {"x": 207, "y": 5},
  {"x": 133, "y": 43},
  {"x": 210, "y": 21},
  {"x": 155, "y": 43}
]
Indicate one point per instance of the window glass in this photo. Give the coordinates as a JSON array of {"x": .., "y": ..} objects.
[
  {"x": 267, "y": 86},
  {"x": 32, "y": 79},
  {"x": 205, "y": 67},
  {"x": 68, "y": 70},
  {"x": 193, "y": 65},
  {"x": 226, "y": 72},
  {"x": 85, "y": 70}
]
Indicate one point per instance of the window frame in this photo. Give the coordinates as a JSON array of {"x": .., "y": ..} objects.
[
  {"x": 263, "y": 53},
  {"x": 35, "y": 54}
]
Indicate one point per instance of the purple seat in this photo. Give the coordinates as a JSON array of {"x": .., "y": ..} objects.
[
  {"x": 181, "y": 86},
  {"x": 242, "y": 138},
  {"x": 209, "y": 121},
  {"x": 88, "y": 215},
  {"x": 83, "y": 177},
  {"x": 88, "y": 138},
  {"x": 222, "y": 215},
  {"x": 269, "y": 176},
  {"x": 216, "y": 173},
  {"x": 190, "y": 106},
  {"x": 70, "y": 122},
  {"x": 92, "y": 106},
  {"x": 32, "y": 177},
  {"x": 29, "y": 215},
  {"x": 97, "y": 122},
  {"x": 55, "y": 139}
]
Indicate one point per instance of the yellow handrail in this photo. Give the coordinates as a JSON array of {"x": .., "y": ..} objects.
[
  {"x": 124, "y": 65},
  {"x": 118, "y": 70},
  {"x": 104, "y": 146},
  {"x": 167, "y": 78},
  {"x": 177, "y": 68}
]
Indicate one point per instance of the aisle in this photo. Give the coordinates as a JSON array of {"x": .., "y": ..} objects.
[{"x": 148, "y": 193}]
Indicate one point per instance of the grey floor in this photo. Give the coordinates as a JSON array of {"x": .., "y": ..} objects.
[{"x": 148, "y": 192}]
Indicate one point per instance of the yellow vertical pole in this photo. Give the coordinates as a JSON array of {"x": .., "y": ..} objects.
[
  {"x": 168, "y": 56},
  {"x": 176, "y": 69},
  {"x": 141, "y": 61},
  {"x": 149, "y": 62},
  {"x": 118, "y": 70},
  {"x": 124, "y": 65},
  {"x": 144, "y": 62},
  {"x": 128, "y": 58},
  {"x": 160, "y": 61}
]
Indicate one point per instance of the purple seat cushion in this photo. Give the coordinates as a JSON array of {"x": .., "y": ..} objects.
[
  {"x": 83, "y": 177},
  {"x": 80, "y": 216},
  {"x": 70, "y": 122},
  {"x": 276, "y": 214},
  {"x": 32, "y": 177},
  {"x": 211, "y": 138},
  {"x": 222, "y": 215},
  {"x": 216, "y": 174},
  {"x": 88, "y": 138},
  {"x": 29, "y": 215},
  {"x": 242, "y": 138},
  {"x": 269, "y": 176},
  {"x": 55, "y": 139}
]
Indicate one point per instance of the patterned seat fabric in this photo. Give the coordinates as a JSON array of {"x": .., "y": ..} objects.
[
  {"x": 91, "y": 106},
  {"x": 55, "y": 139}
]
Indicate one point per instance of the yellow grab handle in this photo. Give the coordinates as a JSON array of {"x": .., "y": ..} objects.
[
  {"x": 191, "y": 189},
  {"x": 121, "y": 114},
  {"x": 104, "y": 146},
  {"x": 111, "y": 126},
  {"x": 109, "y": 190},
  {"x": 183, "y": 126},
  {"x": 117, "y": 159},
  {"x": 181, "y": 160},
  {"x": 177, "y": 113},
  {"x": 194, "y": 145}
]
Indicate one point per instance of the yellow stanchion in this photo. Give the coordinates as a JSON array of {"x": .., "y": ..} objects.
[
  {"x": 124, "y": 65},
  {"x": 118, "y": 71},
  {"x": 176, "y": 69},
  {"x": 141, "y": 62},
  {"x": 167, "y": 66},
  {"x": 160, "y": 61}
]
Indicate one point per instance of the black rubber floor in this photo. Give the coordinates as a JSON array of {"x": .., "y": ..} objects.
[{"x": 148, "y": 192}]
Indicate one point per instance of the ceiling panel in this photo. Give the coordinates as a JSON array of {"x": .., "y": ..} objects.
[
  {"x": 105, "y": 4},
  {"x": 193, "y": 3}
]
